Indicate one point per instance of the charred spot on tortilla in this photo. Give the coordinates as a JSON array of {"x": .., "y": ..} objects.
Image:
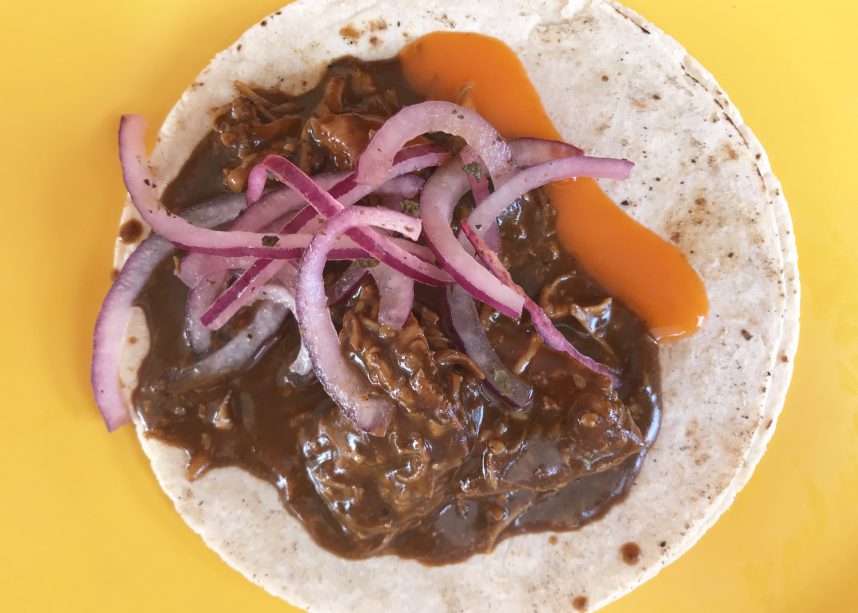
[
  {"x": 131, "y": 231},
  {"x": 555, "y": 464},
  {"x": 631, "y": 553},
  {"x": 349, "y": 32}
]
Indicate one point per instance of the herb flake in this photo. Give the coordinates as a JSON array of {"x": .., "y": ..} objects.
[
  {"x": 411, "y": 207},
  {"x": 501, "y": 378},
  {"x": 473, "y": 169},
  {"x": 270, "y": 240}
]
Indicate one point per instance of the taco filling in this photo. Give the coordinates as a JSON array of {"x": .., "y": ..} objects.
[{"x": 397, "y": 340}]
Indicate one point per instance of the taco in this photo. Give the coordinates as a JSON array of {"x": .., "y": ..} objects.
[{"x": 421, "y": 375}]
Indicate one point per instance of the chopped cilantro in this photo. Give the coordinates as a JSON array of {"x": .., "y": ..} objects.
[
  {"x": 270, "y": 241},
  {"x": 473, "y": 169},
  {"x": 411, "y": 207},
  {"x": 500, "y": 377}
]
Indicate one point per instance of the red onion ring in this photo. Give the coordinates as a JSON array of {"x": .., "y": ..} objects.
[
  {"x": 243, "y": 243},
  {"x": 215, "y": 212},
  {"x": 485, "y": 215},
  {"x": 406, "y": 186},
  {"x": 396, "y": 296},
  {"x": 285, "y": 296},
  {"x": 241, "y": 293},
  {"x": 206, "y": 275},
  {"x": 544, "y": 326},
  {"x": 527, "y": 152},
  {"x": 440, "y": 196},
  {"x": 398, "y": 188},
  {"x": 250, "y": 342},
  {"x": 447, "y": 185},
  {"x": 258, "y": 272},
  {"x": 265, "y": 211},
  {"x": 479, "y": 181},
  {"x": 110, "y": 328},
  {"x": 301, "y": 220},
  {"x": 347, "y": 284},
  {"x": 200, "y": 296},
  {"x": 530, "y": 151},
  {"x": 279, "y": 202},
  {"x": 241, "y": 349},
  {"x": 337, "y": 376},
  {"x": 141, "y": 188},
  {"x": 261, "y": 271},
  {"x": 193, "y": 270},
  {"x": 434, "y": 116},
  {"x": 377, "y": 245},
  {"x": 468, "y": 329},
  {"x": 115, "y": 312},
  {"x": 244, "y": 290},
  {"x": 197, "y": 266}
]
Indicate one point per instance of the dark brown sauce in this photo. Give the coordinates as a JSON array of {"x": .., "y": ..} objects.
[
  {"x": 580, "y": 603},
  {"x": 631, "y": 553},
  {"x": 437, "y": 488}
]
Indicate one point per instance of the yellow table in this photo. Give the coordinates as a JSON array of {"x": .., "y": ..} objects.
[{"x": 83, "y": 525}]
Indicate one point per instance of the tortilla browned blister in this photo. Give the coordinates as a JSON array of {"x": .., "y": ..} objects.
[{"x": 702, "y": 180}]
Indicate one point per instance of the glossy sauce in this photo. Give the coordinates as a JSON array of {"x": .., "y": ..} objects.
[
  {"x": 634, "y": 264},
  {"x": 556, "y": 464}
]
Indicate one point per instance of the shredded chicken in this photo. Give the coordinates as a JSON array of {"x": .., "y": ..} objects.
[{"x": 329, "y": 136}]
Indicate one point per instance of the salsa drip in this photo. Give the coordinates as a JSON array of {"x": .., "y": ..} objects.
[
  {"x": 458, "y": 469},
  {"x": 650, "y": 275}
]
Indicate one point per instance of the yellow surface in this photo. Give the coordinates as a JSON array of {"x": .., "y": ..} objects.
[{"x": 83, "y": 525}]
